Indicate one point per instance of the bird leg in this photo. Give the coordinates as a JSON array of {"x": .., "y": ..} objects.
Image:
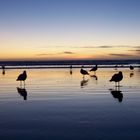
[
  {"x": 118, "y": 84},
  {"x": 20, "y": 83},
  {"x": 24, "y": 84},
  {"x": 115, "y": 84}
]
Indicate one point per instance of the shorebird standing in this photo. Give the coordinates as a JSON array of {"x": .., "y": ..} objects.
[
  {"x": 117, "y": 77},
  {"x": 3, "y": 70},
  {"x": 94, "y": 68},
  {"x": 116, "y": 67},
  {"x": 131, "y": 67},
  {"x": 22, "y": 77},
  {"x": 83, "y": 72},
  {"x": 70, "y": 69}
]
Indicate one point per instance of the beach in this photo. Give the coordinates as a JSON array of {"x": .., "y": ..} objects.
[{"x": 60, "y": 104}]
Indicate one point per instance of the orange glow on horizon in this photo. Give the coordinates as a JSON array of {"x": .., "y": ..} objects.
[{"x": 32, "y": 50}]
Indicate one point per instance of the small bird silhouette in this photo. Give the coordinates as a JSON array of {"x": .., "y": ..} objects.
[
  {"x": 70, "y": 66},
  {"x": 70, "y": 69},
  {"x": 22, "y": 77},
  {"x": 116, "y": 67},
  {"x": 131, "y": 67},
  {"x": 94, "y": 68},
  {"x": 84, "y": 72},
  {"x": 117, "y": 77},
  {"x": 3, "y": 69}
]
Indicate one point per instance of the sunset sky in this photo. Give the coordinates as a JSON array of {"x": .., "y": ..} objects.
[{"x": 69, "y": 29}]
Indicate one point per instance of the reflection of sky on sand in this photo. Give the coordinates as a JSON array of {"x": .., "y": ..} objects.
[{"x": 50, "y": 82}]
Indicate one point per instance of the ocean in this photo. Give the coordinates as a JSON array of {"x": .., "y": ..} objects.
[{"x": 68, "y": 63}]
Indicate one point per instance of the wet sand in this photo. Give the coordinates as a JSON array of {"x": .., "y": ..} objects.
[{"x": 57, "y": 104}]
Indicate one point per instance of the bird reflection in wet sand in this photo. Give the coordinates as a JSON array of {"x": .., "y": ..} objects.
[
  {"x": 94, "y": 77},
  {"x": 22, "y": 92},
  {"x": 84, "y": 82},
  {"x": 117, "y": 94},
  {"x": 131, "y": 74},
  {"x": 70, "y": 72}
]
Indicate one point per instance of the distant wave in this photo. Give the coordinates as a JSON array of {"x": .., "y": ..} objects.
[{"x": 69, "y": 62}]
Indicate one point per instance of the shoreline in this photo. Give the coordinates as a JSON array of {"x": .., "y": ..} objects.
[{"x": 67, "y": 67}]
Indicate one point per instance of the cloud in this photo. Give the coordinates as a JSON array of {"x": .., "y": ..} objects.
[
  {"x": 51, "y": 46},
  {"x": 138, "y": 47},
  {"x": 136, "y": 51},
  {"x": 104, "y": 46},
  {"x": 96, "y": 47},
  {"x": 47, "y": 54},
  {"x": 120, "y": 55},
  {"x": 110, "y": 46},
  {"x": 68, "y": 52},
  {"x": 44, "y": 54}
]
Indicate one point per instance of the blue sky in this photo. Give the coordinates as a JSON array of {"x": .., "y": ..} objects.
[{"x": 55, "y": 26}]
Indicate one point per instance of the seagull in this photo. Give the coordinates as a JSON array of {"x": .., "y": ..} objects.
[
  {"x": 116, "y": 66},
  {"x": 70, "y": 66},
  {"x": 3, "y": 70},
  {"x": 117, "y": 77},
  {"x": 22, "y": 77},
  {"x": 84, "y": 72},
  {"x": 3, "y": 67},
  {"x": 131, "y": 67},
  {"x": 94, "y": 68}
]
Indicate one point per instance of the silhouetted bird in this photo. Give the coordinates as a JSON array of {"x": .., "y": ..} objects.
[
  {"x": 116, "y": 66},
  {"x": 3, "y": 70},
  {"x": 3, "y": 67},
  {"x": 22, "y": 92},
  {"x": 70, "y": 66},
  {"x": 84, "y": 72},
  {"x": 94, "y": 68},
  {"x": 22, "y": 77},
  {"x": 117, "y": 77},
  {"x": 70, "y": 69},
  {"x": 117, "y": 94},
  {"x": 131, "y": 67}
]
